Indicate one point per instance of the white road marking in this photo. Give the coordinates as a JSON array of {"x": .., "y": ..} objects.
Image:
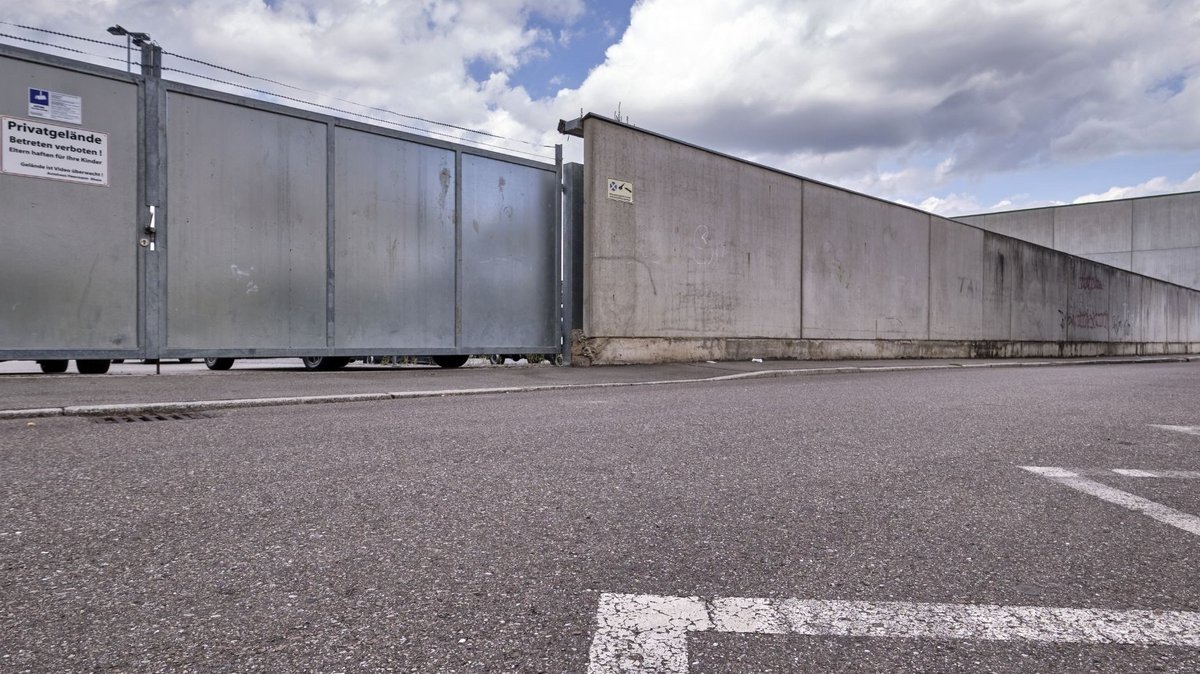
[
  {"x": 648, "y": 633},
  {"x": 1158, "y": 511},
  {"x": 1190, "y": 430},
  {"x": 1169, "y": 474}
]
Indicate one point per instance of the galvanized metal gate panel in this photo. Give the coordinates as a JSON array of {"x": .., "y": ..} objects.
[
  {"x": 69, "y": 256},
  {"x": 394, "y": 243},
  {"x": 245, "y": 230},
  {"x": 509, "y": 266},
  {"x": 275, "y": 232}
]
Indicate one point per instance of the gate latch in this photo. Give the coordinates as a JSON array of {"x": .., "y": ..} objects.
[{"x": 151, "y": 231}]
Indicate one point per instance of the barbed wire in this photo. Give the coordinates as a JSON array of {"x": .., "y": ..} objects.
[
  {"x": 368, "y": 107},
  {"x": 291, "y": 98},
  {"x": 355, "y": 114},
  {"x": 73, "y": 37},
  {"x": 58, "y": 46}
]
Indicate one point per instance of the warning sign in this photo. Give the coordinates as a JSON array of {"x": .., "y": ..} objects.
[
  {"x": 619, "y": 190},
  {"x": 55, "y": 106},
  {"x": 44, "y": 150}
]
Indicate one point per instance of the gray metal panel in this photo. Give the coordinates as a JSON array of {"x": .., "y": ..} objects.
[
  {"x": 394, "y": 243},
  {"x": 246, "y": 239},
  {"x": 509, "y": 278},
  {"x": 573, "y": 243},
  {"x": 68, "y": 251}
]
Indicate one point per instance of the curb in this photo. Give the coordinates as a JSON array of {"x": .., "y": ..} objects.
[{"x": 201, "y": 405}]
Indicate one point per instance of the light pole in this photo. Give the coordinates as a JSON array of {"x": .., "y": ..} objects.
[{"x": 131, "y": 38}]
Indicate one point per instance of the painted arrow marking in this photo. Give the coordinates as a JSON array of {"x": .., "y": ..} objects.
[
  {"x": 1152, "y": 509},
  {"x": 638, "y": 633},
  {"x": 1190, "y": 430}
]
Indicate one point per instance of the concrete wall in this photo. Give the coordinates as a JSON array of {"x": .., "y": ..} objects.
[
  {"x": 717, "y": 258},
  {"x": 706, "y": 248},
  {"x": 1154, "y": 236}
]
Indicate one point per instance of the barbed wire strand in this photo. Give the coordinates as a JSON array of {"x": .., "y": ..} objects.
[
  {"x": 58, "y": 46},
  {"x": 355, "y": 114},
  {"x": 73, "y": 37},
  {"x": 361, "y": 105},
  {"x": 290, "y": 86}
]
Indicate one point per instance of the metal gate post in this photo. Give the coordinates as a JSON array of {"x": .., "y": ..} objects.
[
  {"x": 562, "y": 265},
  {"x": 330, "y": 234},
  {"x": 572, "y": 229},
  {"x": 458, "y": 249},
  {"x": 152, "y": 217}
]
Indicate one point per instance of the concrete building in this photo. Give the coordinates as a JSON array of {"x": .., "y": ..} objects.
[{"x": 1154, "y": 236}]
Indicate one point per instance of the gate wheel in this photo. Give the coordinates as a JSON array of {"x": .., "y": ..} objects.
[
  {"x": 325, "y": 363},
  {"x": 450, "y": 362},
  {"x": 53, "y": 366},
  {"x": 218, "y": 363},
  {"x": 92, "y": 366}
]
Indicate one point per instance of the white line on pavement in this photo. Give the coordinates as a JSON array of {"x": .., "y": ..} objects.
[
  {"x": 648, "y": 633},
  {"x": 1190, "y": 430},
  {"x": 1158, "y": 511},
  {"x": 1169, "y": 474}
]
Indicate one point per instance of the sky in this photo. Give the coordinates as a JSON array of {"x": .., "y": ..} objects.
[{"x": 953, "y": 106}]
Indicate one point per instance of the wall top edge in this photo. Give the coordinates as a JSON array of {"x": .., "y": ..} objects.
[
  {"x": 1088, "y": 203},
  {"x": 575, "y": 127}
]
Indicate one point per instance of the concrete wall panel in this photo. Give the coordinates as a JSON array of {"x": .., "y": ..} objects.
[
  {"x": 999, "y": 259},
  {"x": 1040, "y": 294},
  {"x": 866, "y": 267},
  {"x": 1177, "y": 314},
  {"x": 1103, "y": 227},
  {"x": 1035, "y": 225},
  {"x": 1122, "y": 260},
  {"x": 1155, "y": 305},
  {"x": 1155, "y": 236},
  {"x": 1193, "y": 333},
  {"x": 709, "y": 245},
  {"x": 1179, "y": 265},
  {"x": 955, "y": 281},
  {"x": 1170, "y": 221},
  {"x": 1124, "y": 307},
  {"x": 1088, "y": 316}
]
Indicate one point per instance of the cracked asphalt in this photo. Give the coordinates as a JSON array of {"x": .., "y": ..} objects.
[{"x": 477, "y": 534}]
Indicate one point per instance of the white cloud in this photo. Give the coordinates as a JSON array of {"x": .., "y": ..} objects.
[
  {"x": 981, "y": 87},
  {"x": 1159, "y": 185},
  {"x": 412, "y": 56},
  {"x": 899, "y": 98},
  {"x": 951, "y": 204}
]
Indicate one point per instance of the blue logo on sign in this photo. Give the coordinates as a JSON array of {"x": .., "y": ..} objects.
[{"x": 39, "y": 97}]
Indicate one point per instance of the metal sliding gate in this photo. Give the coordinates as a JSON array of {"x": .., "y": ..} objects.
[{"x": 143, "y": 218}]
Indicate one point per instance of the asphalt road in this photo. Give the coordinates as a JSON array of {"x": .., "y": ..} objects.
[{"x": 478, "y": 534}]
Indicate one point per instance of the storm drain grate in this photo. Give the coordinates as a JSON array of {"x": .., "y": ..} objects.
[{"x": 135, "y": 418}]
